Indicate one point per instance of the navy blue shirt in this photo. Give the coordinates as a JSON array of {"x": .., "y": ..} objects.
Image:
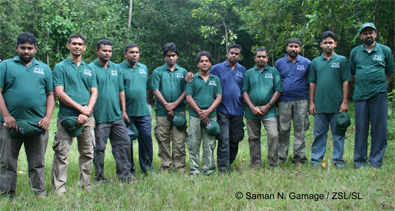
[
  {"x": 232, "y": 83},
  {"x": 294, "y": 78}
]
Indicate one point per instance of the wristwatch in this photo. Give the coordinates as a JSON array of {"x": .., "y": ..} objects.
[{"x": 270, "y": 102}]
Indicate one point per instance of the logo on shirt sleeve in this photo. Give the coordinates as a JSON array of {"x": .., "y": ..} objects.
[
  {"x": 114, "y": 72},
  {"x": 300, "y": 67},
  {"x": 335, "y": 65},
  {"x": 87, "y": 72},
  {"x": 212, "y": 83},
  {"x": 180, "y": 75},
  {"x": 268, "y": 75},
  {"x": 38, "y": 70},
  {"x": 378, "y": 58},
  {"x": 142, "y": 71}
]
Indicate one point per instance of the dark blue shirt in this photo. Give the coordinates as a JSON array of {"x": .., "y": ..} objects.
[
  {"x": 232, "y": 83},
  {"x": 294, "y": 78}
]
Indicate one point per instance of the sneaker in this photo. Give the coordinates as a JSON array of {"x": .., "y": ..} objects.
[
  {"x": 100, "y": 182},
  {"x": 340, "y": 165},
  {"x": 181, "y": 170},
  {"x": 192, "y": 175}
]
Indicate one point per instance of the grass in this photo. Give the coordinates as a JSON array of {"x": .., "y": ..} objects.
[{"x": 177, "y": 191}]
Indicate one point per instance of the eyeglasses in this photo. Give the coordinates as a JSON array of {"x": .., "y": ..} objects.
[{"x": 171, "y": 55}]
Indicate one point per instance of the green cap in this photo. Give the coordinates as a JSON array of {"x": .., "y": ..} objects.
[
  {"x": 367, "y": 25},
  {"x": 70, "y": 124},
  {"x": 342, "y": 123},
  {"x": 133, "y": 133},
  {"x": 27, "y": 128},
  {"x": 178, "y": 120},
  {"x": 212, "y": 128}
]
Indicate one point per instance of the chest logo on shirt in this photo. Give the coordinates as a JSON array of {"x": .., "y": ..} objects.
[
  {"x": 300, "y": 67},
  {"x": 114, "y": 72},
  {"x": 212, "y": 83},
  {"x": 335, "y": 65},
  {"x": 87, "y": 72},
  {"x": 268, "y": 75},
  {"x": 142, "y": 71},
  {"x": 38, "y": 70},
  {"x": 239, "y": 74},
  {"x": 378, "y": 58},
  {"x": 180, "y": 75}
]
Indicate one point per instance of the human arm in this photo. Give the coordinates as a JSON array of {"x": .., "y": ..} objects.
[
  {"x": 255, "y": 109},
  {"x": 9, "y": 120},
  {"x": 123, "y": 106},
  {"x": 389, "y": 77},
  {"x": 344, "y": 105},
  {"x": 189, "y": 77},
  {"x": 44, "y": 123},
  {"x": 265, "y": 108},
  {"x": 193, "y": 104},
  {"x": 312, "y": 93}
]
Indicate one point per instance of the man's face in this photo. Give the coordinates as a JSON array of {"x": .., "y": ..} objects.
[
  {"x": 204, "y": 64},
  {"x": 328, "y": 45},
  {"x": 293, "y": 49},
  {"x": 104, "y": 53},
  {"x": 368, "y": 36},
  {"x": 132, "y": 56},
  {"x": 76, "y": 46},
  {"x": 233, "y": 55},
  {"x": 261, "y": 58},
  {"x": 26, "y": 51},
  {"x": 171, "y": 58}
]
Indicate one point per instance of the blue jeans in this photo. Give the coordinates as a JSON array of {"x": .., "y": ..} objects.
[
  {"x": 375, "y": 111},
  {"x": 143, "y": 125},
  {"x": 321, "y": 126}
]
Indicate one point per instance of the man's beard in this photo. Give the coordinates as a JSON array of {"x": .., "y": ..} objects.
[{"x": 369, "y": 41}]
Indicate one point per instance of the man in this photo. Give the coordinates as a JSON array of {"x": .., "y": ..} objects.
[
  {"x": 137, "y": 94},
  {"x": 168, "y": 86},
  {"x": 108, "y": 115},
  {"x": 231, "y": 110},
  {"x": 261, "y": 89},
  {"x": 203, "y": 95},
  {"x": 292, "y": 104},
  {"x": 372, "y": 67},
  {"x": 26, "y": 86},
  {"x": 76, "y": 88},
  {"x": 329, "y": 78}
]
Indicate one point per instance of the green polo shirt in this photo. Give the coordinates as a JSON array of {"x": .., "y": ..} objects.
[
  {"x": 370, "y": 70},
  {"x": 136, "y": 82},
  {"x": 109, "y": 85},
  {"x": 25, "y": 88},
  {"x": 171, "y": 85},
  {"x": 76, "y": 82},
  {"x": 261, "y": 86},
  {"x": 329, "y": 76},
  {"x": 203, "y": 92}
]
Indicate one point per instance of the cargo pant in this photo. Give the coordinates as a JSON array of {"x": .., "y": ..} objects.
[
  {"x": 35, "y": 147},
  {"x": 61, "y": 147},
  {"x": 165, "y": 133},
  {"x": 195, "y": 135},
  {"x": 297, "y": 111},
  {"x": 254, "y": 136}
]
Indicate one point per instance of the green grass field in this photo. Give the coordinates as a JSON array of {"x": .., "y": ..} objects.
[{"x": 300, "y": 187}]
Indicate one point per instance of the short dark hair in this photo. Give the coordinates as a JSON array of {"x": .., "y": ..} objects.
[
  {"x": 170, "y": 47},
  {"x": 26, "y": 37},
  {"x": 204, "y": 53},
  {"x": 131, "y": 45},
  {"x": 76, "y": 35},
  {"x": 103, "y": 42},
  {"x": 234, "y": 46},
  {"x": 261, "y": 49},
  {"x": 327, "y": 34},
  {"x": 294, "y": 40}
]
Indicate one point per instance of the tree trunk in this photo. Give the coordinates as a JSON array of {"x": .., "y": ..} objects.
[
  {"x": 226, "y": 34},
  {"x": 130, "y": 17}
]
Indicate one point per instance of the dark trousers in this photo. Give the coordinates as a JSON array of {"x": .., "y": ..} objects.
[
  {"x": 232, "y": 132},
  {"x": 120, "y": 143},
  {"x": 375, "y": 112},
  {"x": 35, "y": 147},
  {"x": 143, "y": 125}
]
